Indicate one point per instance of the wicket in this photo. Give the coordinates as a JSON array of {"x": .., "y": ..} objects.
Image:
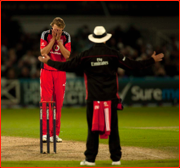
[{"x": 53, "y": 105}]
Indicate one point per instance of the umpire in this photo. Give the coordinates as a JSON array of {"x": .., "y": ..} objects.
[{"x": 100, "y": 64}]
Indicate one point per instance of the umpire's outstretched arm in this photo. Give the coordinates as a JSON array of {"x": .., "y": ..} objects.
[
  {"x": 68, "y": 66},
  {"x": 126, "y": 63},
  {"x": 123, "y": 62}
]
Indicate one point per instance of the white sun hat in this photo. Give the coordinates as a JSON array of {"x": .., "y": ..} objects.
[{"x": 100, "y": 35}]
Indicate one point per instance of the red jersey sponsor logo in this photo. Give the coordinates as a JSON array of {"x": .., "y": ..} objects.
[{"x": 56, "y": 47}]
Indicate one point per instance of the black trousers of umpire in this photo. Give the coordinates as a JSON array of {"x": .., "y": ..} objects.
[{"x": 92, "y": 143}]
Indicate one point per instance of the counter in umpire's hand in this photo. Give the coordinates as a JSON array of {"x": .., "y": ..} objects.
[{"x": 44, "y": 58}]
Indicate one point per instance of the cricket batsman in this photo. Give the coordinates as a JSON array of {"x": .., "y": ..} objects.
[{"x": 57, "y": 44}]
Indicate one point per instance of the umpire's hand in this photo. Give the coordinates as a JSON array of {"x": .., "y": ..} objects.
[
  {"x": 44, "y": 58},
  {"x": 157, "y": 57}
]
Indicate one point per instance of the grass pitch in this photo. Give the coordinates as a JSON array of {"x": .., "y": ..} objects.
[
  {"x": 151, "y": 127},
  {"x": 142, "y": 163}
]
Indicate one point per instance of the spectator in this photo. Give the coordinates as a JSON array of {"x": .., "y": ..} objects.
[
  {"x": 24, "y": 73},
  {"x": 30, "y": 61},
  {"x": 159, "y": 70},
  {"x": 11, "y": 74},
  {"x": 22, "y": 53},
  {"x": 36, "y": 74}
]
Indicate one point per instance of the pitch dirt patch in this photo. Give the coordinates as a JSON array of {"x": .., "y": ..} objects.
[{"x": 24, "y": 149}]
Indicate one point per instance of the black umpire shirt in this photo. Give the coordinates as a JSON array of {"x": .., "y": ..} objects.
[{"x": 100, "y": 64}]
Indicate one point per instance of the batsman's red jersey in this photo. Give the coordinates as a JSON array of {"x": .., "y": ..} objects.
[
  {"x": 53, "y": 81},
  {"x": 55, "y": 53}
]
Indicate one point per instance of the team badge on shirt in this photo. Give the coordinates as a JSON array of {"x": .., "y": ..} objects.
[{"x": 42, "y": 44}]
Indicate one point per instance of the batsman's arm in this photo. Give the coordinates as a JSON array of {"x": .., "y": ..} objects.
[
  {"x": 66, "y": 47},
  {"x": 45, "y": 46},
  {"x": 126, "y": 63},
  {"x": 48, "y": 48},
  {"x": 64, "y": 51}
]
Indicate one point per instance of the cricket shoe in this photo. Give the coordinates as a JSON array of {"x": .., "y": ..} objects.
[
  {"x": 44, "y": 138},
  {"x": 116, "y": 162},
  {"x": 57, "y": 139},
  {"x": 84, "y": 162},
  {"x": 51, "y": 139}
]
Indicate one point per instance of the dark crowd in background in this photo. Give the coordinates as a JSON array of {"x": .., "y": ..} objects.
[{"x": 19, "y": 51}]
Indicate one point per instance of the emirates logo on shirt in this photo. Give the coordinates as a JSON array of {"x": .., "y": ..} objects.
[{"x": 56, "y": 47}]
